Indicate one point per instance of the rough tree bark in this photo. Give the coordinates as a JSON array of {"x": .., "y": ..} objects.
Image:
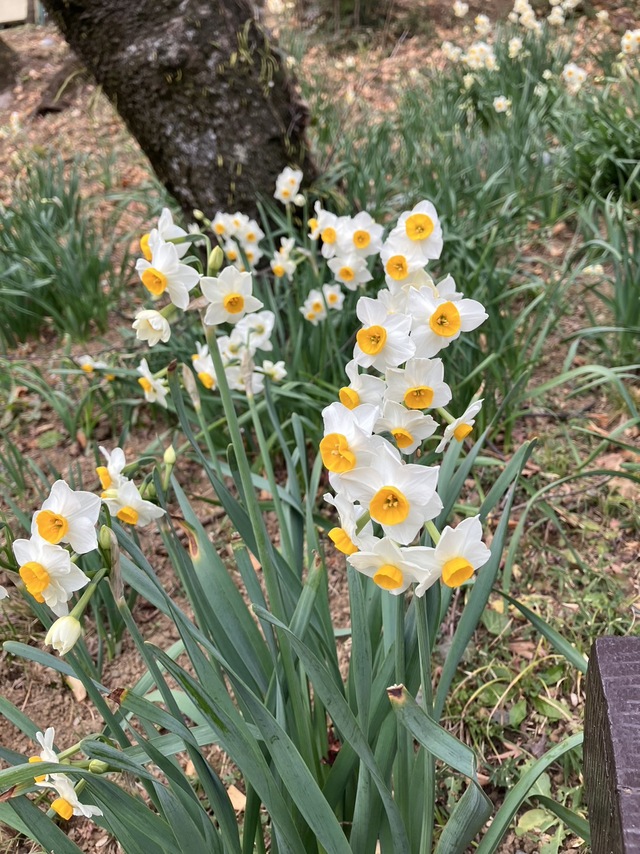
[
  {"x": 200, "y": 86},
  {"x": 8, "y": 66}
]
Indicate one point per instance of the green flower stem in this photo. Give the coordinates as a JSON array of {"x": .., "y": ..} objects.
[
  {"x": 434, "y": 533},
  {"x": 402, "y": 765},
  {"x": 424, "y": 650},
  {"x": 362, "y": 521},
  {"x": 287, "y": 545},
  {"x": 206, "y": 434},
  {"x": 444, "y": 414},
  {"x": 88, "y": 592}
]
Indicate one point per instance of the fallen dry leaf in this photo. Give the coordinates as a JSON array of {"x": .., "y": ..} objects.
[
  {"x": 77, "y": 688},
  {"x": 237, "y": 798}
]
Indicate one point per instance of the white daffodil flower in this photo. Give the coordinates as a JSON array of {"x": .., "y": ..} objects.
[
  {"x": 398, "y": 302},
  {"x": 347, "y": 441},
  {"x": 164, "y": 231},
  {"x": 351, "y": 270},
  {"x": 383, "y": 342},
  {"x": 419, "y": 233},
  {"x": 151, "y": 326},
  {"x": 314, "y": 309},
  {"x": 276, "y": 371},
  {"x": 287, "y": 185},
  {"x": 461, "y": 427},
  {"x": 460, "y": 9},
  {"x": 326, "y": 226},
  {"x": 400, "y": 497},
  {"x": 398, "y": 262},
  {"x": 333, "y": 296},
  {"x": 501, "y": 104},
  {"x": 165, "y": 273},
  {"x": 48, "y": 573},
  {"x": 204, "y": 368},
  {"x": 363, "y": 388},
  {"x": 64, "y": 634},
  {"x": 482, "y": 25},
  {"x": 419, "y": 385},
  {"x": 361, "y": 235},
  {"x": 459, "y": 553},
  {"x": 230, "y": 296},
  {"x": 573, "y": 76},
  {"x": 155, "y": 390},
  {"x": 254, "y": 330},
  {"x": 346, "y": 537},
  {"x": 390, "y": 566},
  {"x": 126, "y": 504},
  {"x": 88, "y": 364},
  {"x": 47, "y": 754},
  {"x": 67, "y": 803},
  {"x": 409, "y": 429},
  {"x": 111, "y": 474},
  {"x": 435, "y": 323},
  {"x": 250, "y": 234},
  {"x": 68, "y": 516}
]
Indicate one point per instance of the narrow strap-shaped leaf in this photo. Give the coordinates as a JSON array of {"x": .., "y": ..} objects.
[
  {"x": 576, "y": 823},
  {"x": 555, "y": 638},
  {"x": 26, "y": 818},
  {"x": 33, "y": 653},
  {"x": 469, "y": 816},
  {"x": 478, "y": 598},
  {"x": 347, "y": 724},
  {"x": 518, "y": 794},
  {"x": 296, "y": 776},
  {"x": 238, "y": 743}
]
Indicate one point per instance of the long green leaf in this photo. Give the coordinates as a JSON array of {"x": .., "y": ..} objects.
[
  {"x": 26, "y": 818},
  {"x": 347, "y": 724},
  {"x": 518, "y": 794},
  {"x": 555, "y": 638}
]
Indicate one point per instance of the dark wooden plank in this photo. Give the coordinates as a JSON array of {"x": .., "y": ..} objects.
[{"x": 612, "y": 746}]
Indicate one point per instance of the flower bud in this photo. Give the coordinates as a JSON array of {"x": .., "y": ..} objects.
[
  {"x": 97, "y": 766},
  {"x": 299, "y": 200},
  {"x": 63, "y": 634},
  {"x": 216, "y": 260},
  {"x": 198, "y": 214},
  {"x": 169, "y": 457}
]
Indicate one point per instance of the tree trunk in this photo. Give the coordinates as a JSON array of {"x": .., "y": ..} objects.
[
  {"x": 201, "y": 88},
  {"x": 8, "y": 66}
]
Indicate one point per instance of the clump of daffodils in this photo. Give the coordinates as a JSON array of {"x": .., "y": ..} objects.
[
  {"x": 386, "y": 499},
  {"x": 62, "y": 530}
]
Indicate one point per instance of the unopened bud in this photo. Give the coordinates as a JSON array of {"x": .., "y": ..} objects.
[
  {"x": 299, "y": 200},
  {"x": 64, "y": 634},
  {"x": 97, "y": 766},
  {"x": 105, "y": 539},
  {"x": 169, "y": 457},
  {"x": 216, "y": 259},
  {"x": 198, "y": 214}
]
